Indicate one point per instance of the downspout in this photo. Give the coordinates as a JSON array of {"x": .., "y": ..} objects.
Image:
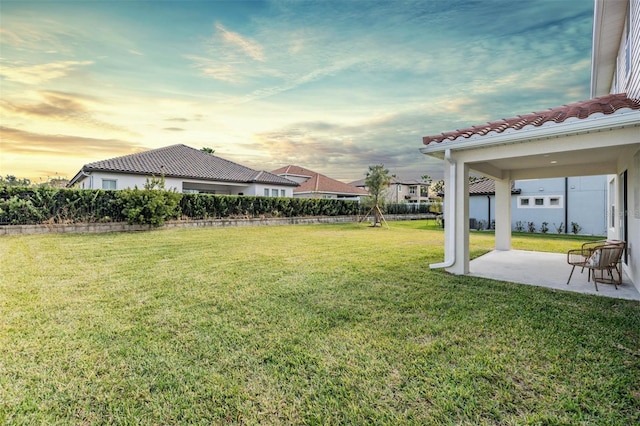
[
  {"x": 450, "y": 248},
  {"x": 566, "y": 205},
  {"x": 488, "y": 211}
]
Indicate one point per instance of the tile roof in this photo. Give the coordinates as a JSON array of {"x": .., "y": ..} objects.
[
  {"x": 605, "y": 105},
  {"x": 182, "y": 161},
  {"x": 485, "y": 186},
  {"x": 318, "y": 183}
]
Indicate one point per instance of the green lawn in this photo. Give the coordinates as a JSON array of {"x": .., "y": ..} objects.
[{"x": 320, "y": 324}]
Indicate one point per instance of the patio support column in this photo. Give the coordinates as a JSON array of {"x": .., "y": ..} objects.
[
  {"x": 461, "y": 265},
  {"x": 503, "y": 214}
]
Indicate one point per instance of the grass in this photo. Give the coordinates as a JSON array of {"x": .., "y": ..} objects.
[{"x": 321, "y": 324}]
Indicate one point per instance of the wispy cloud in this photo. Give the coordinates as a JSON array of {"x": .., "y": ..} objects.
[
  {"x": 41, "y": 73},
  {"x": 16, "y": 141},
  {"x": 251, "y": 48},
  {"x": 62, "y": 106}
]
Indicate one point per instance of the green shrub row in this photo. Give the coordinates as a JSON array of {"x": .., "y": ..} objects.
[
  {"x": 35, "y": 205},
  {"x": 20, "y": 205}
]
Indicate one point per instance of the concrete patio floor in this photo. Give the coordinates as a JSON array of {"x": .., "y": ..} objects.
[{"x": 544, "y": 270}]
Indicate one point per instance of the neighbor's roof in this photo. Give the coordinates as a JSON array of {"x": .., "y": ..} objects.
[
  {"x": 318, "y": 183},
  {"x": 604, "y": 105},
  {"x": 484, "y": 186},
  {"x": 182, "y": 161}
]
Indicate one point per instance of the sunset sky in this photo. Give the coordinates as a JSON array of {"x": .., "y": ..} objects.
[{"x": 330, "y": 86}]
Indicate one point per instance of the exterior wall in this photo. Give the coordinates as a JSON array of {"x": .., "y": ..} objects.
[
  {"x": 401, "y": 193},
  {"x": 586, "y": 204},
  {"x": 258, "y": 190},
  {"x": 630, "y": 163},
  {"x": 627, "y": 74},
  {"x": 482, "y": 207},
  {"x": 124, "y": 181}
]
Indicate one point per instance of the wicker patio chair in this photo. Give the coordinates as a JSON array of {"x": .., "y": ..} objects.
[{"x": 600, "y": 256}]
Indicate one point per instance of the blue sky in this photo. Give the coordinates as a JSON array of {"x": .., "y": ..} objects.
[{"x": 331, "y": 86}]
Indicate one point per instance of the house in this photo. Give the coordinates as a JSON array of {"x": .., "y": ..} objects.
[
  {"x": 185, "y": 169},
  {"x": 316, "y": 185},
  {"x": 403, "y": 190},
  {"x": 599, "y": 136},
  {"x": 556, "y": 205}
]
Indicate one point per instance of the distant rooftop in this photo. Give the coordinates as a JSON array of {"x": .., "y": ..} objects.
[
  {"x": 317, "y": 182},
  {"x": 182, "y": 161}
]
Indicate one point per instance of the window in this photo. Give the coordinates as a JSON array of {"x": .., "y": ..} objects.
[
  {"x": 412, "y": 190},
  {"x": 266, "y": 192},
  {"x": 109, "y": 184},
  {"x": 547, "y": 202},
  {"x": 282, "y": 193},
  {"x": 274, "y": 192}
]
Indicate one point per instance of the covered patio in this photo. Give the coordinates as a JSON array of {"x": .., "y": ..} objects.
[{"x": 548, "y": 270}]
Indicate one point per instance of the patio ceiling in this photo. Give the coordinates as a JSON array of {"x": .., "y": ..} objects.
[{"x": 554, "y": 162}]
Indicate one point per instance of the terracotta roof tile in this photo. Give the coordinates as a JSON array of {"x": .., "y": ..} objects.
[
  {"x": 485, "y": 186},
  {"x": 608, "y": 104},
  {"x": 185, "y": 162},
  {"x": 318, "y": 182}
]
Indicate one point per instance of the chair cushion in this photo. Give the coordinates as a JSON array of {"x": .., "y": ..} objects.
[{"x": 594, "y": 259}]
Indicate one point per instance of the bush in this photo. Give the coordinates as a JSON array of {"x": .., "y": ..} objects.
[{"x": 153, "y": 205}]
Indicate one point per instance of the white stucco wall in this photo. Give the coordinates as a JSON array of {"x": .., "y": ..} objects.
[
  {"x": 586, "y": 203},
  {"x": 124, "y": 181}
]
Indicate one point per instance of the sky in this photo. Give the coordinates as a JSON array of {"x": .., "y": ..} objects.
[{"x": 334, "y": 87}]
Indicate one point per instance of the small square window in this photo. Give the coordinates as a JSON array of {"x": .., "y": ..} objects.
[
  {"x": 539, "y": 201},
  {"x": 524, "y": 201},
  {"x": 555, "y": 201},
  {"x": 109, "y": 184},
  {"x": 274, "y": 192}
]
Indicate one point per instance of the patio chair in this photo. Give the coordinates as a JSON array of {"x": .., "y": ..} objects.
[{"x": 604, "y": 255}]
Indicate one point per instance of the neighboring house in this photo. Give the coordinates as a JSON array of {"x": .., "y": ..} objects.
[
  {"x": 402, "y": 191},
  {"x": 558, "y": 202},
  {"x": 600, "y": 136},
  {"x": 184, "y": 169},
  {"x": 316, "y": 185}
]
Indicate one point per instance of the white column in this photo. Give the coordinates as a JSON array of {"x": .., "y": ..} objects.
[
  {"x": 461, "y": 265},
  {"x": 503, "y": 214}
]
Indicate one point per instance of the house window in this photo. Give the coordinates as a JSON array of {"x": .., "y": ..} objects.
[
  {"x": 412, "y": 190},
  {"x": 282, "y": 193},
  {"x": 109, "y": 184},
  {"x": 266, "y": 192},
  {"x": 548, "y": 202},
  {"x": 274, "y": 192}
]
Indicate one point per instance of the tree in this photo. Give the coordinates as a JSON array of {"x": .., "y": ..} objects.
[
  {"x": 438, "y": 186},
  {"x": 208, "y": 150},
  {"x": 377, "y": 182},
  {"x": 11, "y": 180},
  {"x": 424, "y": 190}
]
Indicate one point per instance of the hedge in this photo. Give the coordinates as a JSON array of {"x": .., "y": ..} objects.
[
  {"x": 35, "y": 205},
  {"x": 27, "y": 205}
]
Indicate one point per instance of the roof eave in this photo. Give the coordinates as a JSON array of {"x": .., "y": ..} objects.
[
  {"x": 618, "y": 120},
  {"x": 605, "y": 44}
]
